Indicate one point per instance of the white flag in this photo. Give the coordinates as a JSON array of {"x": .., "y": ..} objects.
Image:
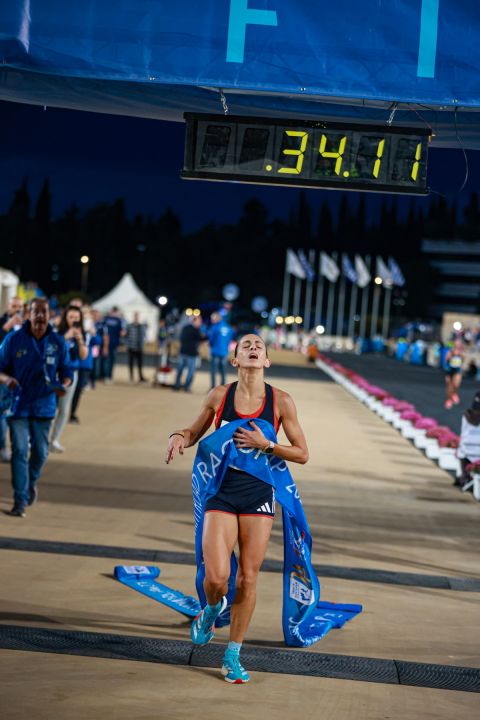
[
  {"x": 294, "y": 266},
  {"x": 383, "y": 272},
  {"x": 363, "y": 275},
  {"x": 329, "y": 267}
]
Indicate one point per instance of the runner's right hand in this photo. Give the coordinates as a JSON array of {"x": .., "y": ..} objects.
[{"x": 176, "y": 445}]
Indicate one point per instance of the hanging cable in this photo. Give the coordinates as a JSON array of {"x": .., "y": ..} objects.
[
  {"x": 223, "y": 100},
  {"x": 462, "y": 146},
  {"x": 393, "y": 111}
]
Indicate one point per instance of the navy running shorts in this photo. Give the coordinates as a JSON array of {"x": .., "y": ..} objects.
[{"x": 243, "y": 494}]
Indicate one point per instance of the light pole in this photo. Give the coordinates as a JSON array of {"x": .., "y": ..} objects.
[
  {"x": 163, "y": 349},
  {"x": 84, "y": 278},
  {"x": 376, "y": 300}
]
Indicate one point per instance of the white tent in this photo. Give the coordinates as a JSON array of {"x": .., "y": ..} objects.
[
  {"x": 8, "y": 287},
  {"x": 129, "y": 299}
]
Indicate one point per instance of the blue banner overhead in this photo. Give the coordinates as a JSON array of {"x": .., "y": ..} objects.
[{"x": 159, "y": 59}]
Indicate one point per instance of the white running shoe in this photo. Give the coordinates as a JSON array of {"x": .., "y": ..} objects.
[{"x": 56, "y": 447}]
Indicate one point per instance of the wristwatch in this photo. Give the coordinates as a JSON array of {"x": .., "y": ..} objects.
[{"x": 268, "y": 449}]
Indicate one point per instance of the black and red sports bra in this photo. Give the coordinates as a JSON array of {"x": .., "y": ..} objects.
[{"x": 227, "y": 412}]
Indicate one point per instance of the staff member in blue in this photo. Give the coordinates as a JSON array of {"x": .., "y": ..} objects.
[
  {"x": 219, "y": 337},
  {"x": 244, "y": 508},
  {"x": 34, "y": 363}
]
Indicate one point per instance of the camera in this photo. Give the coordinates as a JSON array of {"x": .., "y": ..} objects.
[{"x": 77, "y": 324}]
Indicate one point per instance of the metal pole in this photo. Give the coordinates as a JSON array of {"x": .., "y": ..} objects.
[
  {"x": 296, "y": 296},
  {"x": 286, "y": 288},
  {"x": 331, "y": 301},
  {"x": 84, "y": 280},
  {"x": 375, "y": 304},
  {"x": 386, "y": 312},
  {"x": 308, "y": 294},
  {"x": 353, "y": 310},
  {"x": 363, "y": 317},
  {"x": 341, "y": 306},
  {"x": 319, "y": 298}
]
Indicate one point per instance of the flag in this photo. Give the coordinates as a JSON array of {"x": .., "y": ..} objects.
[
  {"x": 294, "y": 266},
  {"x": 383, "y": 272},
  {"x": 329, "y": 267},
  {"x": 309, "y": 271},
  {"x": 396, "y": 273},
  {"x": 348, "y": 269},
  {"x": 363, "y": 274}
]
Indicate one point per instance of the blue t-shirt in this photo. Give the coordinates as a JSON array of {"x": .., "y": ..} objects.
[
  {"x": 219, "y": 337},
  {"x": 37, "y": 365},
  {"x": 114, "y": 326}
]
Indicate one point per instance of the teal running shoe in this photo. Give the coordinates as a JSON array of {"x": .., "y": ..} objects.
[
  {"x": 233, "y": 671},
  {"x": 202, "y": 628}
]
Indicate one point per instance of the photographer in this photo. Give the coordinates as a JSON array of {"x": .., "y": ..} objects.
[
  {"x": 34, "y": 365},
  {"x": 71, "y": 327},
  {"x": 12, "y": 319},
  {"x": 9, "y": 322}
]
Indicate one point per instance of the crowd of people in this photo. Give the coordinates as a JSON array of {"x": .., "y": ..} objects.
[{"x": 50, "y": 356}]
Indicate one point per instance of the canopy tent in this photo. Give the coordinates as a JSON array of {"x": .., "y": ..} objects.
[
  {"x": 347, "y": 60},
  {"x": 128, "y": 297},
  {"x": 8, "y": 287}
]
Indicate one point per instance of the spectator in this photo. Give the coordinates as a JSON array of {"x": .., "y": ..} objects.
[
  {"x": 85, "y": 370},
  {"x": 469, "y": 447},
  {"x": 71, "y": 328},
  {"x": 9, "y": 322},
  {"x": 190, "y": 338},
  {"x": 34, "y": 360},
  {"x": 219, "y": 337},
  {"x": 12, "y": 319},
  {"x": 100, "y": 348},
  {"x": 135, "y": 341},
  {"x": 115, "y": 326}
]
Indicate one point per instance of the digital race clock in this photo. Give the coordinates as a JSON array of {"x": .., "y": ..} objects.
[{"x": 342, "y": 156}]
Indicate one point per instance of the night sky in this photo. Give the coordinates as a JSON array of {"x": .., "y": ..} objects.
[{"x": 91, "y": 158}]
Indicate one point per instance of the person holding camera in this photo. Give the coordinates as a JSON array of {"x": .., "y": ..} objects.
[
  {"x": 9, "y": 322},
  {"x": 71, "y": 328},
  {"x": 34, "y": 365}
]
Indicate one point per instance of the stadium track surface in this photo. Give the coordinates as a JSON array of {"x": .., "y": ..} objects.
[
  {"x": 421, "y": 385},
  {"x": 143, "y": 555}
]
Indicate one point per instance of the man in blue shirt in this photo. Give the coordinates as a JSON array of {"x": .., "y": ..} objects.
[
  {"x": 219, "y": 337},
  {"x": 33, "y": 364},
  {"x": 115, "y": 326}
]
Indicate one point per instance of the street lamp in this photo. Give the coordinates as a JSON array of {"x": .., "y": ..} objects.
[
  {"x": 162, "y": 300},
  {"x": 84, "y": 278}
]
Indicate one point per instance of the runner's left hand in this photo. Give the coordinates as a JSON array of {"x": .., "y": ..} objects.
[{"x": 250, "y": 438}]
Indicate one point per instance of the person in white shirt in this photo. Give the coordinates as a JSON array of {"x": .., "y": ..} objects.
[{"x": 469, "y": 447}]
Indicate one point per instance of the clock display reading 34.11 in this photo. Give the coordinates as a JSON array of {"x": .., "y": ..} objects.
[{"x": 316, "y": 154}]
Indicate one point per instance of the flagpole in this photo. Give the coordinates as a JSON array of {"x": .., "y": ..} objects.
[
  {"x": 341, "y": 305},
  {"x": 353, "y": 310},
  {"x": 363, "y": 316},
  {"x": 375, "y": 304},
  {"x": 386, "y": 312},
  {"x": 286, "y": 287},
  {"x": 308, "y": 295},
  {"x": 319, "y": 298},
  {"x": 331, "y": 300},
  {"x": 296, "y": 296}
]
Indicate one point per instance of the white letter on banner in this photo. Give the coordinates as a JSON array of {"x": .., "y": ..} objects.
[
  {"x": 202, "y": 469},
  {"x": 241, "y": 16},
  {"x": 215, "y": 462}
]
